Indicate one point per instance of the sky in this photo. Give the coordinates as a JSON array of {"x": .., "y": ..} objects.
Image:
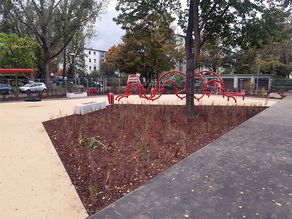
[{"x": 108, "y": 32}]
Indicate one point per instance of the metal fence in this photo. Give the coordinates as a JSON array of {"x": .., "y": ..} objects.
[
  {"x": 60, "y": 87},
  {"x": 281, "y": 85}
]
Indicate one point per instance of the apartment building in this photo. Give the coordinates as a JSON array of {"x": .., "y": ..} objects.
[{"x": 92, "y": 59}]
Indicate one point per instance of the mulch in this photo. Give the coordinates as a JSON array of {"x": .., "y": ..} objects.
[{"x": 135, "y": 143}]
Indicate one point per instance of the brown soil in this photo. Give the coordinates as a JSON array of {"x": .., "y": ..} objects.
[{"x": 137, "y": 142}]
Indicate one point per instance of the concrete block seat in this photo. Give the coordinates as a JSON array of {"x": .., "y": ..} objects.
[{"x": 89, "y": 107}]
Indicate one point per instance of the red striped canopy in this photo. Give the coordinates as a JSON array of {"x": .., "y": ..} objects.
[{"x": 16, "y": 70}]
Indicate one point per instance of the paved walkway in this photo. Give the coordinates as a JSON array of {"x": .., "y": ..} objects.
[
  {"x": 33, "y": 182},
  {"x": 247, "y": 173}
]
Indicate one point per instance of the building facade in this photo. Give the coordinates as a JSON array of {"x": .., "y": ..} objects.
[
  {"x": 246, "y": 81},
  {"x": 92, "y": 59}
]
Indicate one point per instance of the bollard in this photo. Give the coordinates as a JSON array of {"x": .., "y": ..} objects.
[
  {"x": 91, "y": 91},
  {"x": 111, "y": 98},
  {"x": 152, "y": 92}
]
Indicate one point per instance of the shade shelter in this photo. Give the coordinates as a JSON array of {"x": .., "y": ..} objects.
[{"x": 15, "y": 72}]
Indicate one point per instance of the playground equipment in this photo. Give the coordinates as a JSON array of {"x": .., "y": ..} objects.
[{"x": 210, "y": 82}]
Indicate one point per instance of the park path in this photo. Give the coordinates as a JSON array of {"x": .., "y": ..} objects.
[{"x": 33, "y": 181}]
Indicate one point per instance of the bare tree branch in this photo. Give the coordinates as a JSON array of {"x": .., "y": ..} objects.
[
  {"x": 38, "y": 11},
  {"x": 62, "y": 48},
  {"x": 18, "y": 17}
]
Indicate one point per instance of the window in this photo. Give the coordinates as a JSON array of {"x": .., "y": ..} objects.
[
  {"x": 94, "y": 60},
  {"x": 90, "y": 67},
  {"x": 94, "y": 53},
  {"x": 94, "y": 68},
  {"x": 102, "y": 56},
  {"x": 89, "y": 52},
  {"x": 89, "y": 60}
]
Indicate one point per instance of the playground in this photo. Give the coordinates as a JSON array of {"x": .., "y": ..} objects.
[
  {"x": 34, "y": 183},
  {"x": 145, "y": 109}
]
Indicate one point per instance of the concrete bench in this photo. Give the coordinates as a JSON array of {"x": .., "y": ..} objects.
[
  {"x": 76, "y": 95},
  {"x": 90, "y": 107}
]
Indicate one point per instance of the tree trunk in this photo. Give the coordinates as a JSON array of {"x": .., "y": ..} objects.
[
  {"x": 197, "y": 33},
  {"x": 46, "y": 66},
  {"x": 192, "y": 56},
  {"x": 47, "y": 74},
  {"x": 64, "y": 62},
  {"x": 190, "y": 65}
]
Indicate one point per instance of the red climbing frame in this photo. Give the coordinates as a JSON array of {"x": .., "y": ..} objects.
[{"x": 207, "y": 78}]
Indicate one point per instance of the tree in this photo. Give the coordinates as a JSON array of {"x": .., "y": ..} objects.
[
  {"x": 275, "y": 59},
  {"x": 262, "y": 51},
  {"x": 113, "y": 59},
  {"x": 76, "y": 47},
  {"x": 145, "y": 54},
  {"x": 149, "y": 45},
  {"x": 133, "y": 13},
  {"x": 211, "y": 55},
  {"x": 273, "y": 56},
  {"x": 231, "y": 22},
  {"x": 43, "y": 18},
  {"x": 17, "y": 52}
]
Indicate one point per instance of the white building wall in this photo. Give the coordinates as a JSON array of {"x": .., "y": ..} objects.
[{"x": 93, "y": 58}]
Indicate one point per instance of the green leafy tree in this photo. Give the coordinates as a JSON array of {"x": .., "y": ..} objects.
[
  {"x": 133, "y": 13},
  {"x": 17, "y": 52},
  {"x": 149, "y": 45},
  {"x": 244, "y": 60},
  {"x": 275, "y": 59},
  {"x": 147, "y": 55},
  {"x": 52, "y": 23},
  {"x": 214, "y": 54},
  {"x": 113, "y": 59},
  {"x": 266, "y": 53}
]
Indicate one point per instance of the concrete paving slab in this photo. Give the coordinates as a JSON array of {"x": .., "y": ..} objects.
[
  {"x": 33, "y": 181},
  {"x": 212, "y": 100},
  {"x": 247, "y": 173}
]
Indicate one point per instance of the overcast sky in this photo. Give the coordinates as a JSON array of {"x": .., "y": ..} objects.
[{"x": 107, "y": 32}]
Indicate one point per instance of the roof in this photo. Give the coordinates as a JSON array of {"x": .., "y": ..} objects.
[
  {"x": 98, "y": 50},
  {"x": 16, "y": 70}
]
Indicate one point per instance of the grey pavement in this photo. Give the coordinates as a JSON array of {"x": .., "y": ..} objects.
[{"x": 247, "y": 173}]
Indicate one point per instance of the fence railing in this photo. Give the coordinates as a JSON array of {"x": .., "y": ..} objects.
[
  {"x": 59, "y": 87},
  {"x": 280, "y": 85}
]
